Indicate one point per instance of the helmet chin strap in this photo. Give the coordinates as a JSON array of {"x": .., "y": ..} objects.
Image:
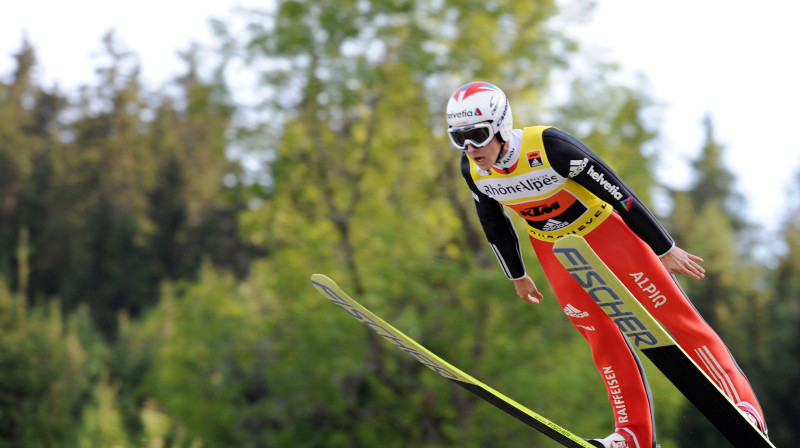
[{"x": 502, "y": 150}]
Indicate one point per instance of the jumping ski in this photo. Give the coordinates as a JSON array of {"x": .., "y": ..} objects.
[
  {"x": 331, "y": 290},
  {"x": 650, "y": 338}
]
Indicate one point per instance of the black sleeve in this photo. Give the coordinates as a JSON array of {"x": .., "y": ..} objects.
[
  {"x": 498, "y": 228},
  {"x": 571, "y": 158}
]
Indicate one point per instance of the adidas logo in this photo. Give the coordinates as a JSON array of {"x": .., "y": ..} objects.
[
  {"x": 552, "y": 225},
  {"x": 571, "y": 311},
  {"x": 576, "y": 166}
]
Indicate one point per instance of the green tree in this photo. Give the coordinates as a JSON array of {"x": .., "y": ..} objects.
[
  {"x": 611, "y": 120},
  {"x": 102, "y": 420},
  {"x": 26, "y": 122},
  {"x": 706, "y": 221},
  {"x": 92, "y": 191},
  {"x": 48, "y": 363},
  {"x": 205, "y": 363},
  {"x": 783, "y": 349}
]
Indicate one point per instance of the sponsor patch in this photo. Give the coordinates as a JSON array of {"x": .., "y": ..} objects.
[
  {"x": 464, "y": 114},
  {"x": 577, "y": 166},
  {"x": 540, "y": 210},
  {"x": 601, "y": 180},
  {"x": 648, "y": 287},
  {"x": 552, "y": 225},
  {"x": 616, "y": 396},
  {"x": 535, "y": 159},
  {"x": 521, "y": 186},
  {"x": 572, "y": 311}
]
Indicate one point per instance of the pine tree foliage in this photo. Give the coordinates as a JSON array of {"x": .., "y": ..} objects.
[
  {"x": 782, "y": 349},
  {"x": 707, "y": 221}
]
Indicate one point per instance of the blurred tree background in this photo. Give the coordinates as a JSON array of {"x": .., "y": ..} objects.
[{"x": 154, "y": 292}]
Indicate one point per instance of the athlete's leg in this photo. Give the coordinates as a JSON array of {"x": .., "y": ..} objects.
[
  {"x": 632, "y": 260},
  {"x": 615, "y": 359}
]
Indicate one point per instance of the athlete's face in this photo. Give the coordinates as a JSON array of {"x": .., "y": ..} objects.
[{"x": 485, "y": 156}]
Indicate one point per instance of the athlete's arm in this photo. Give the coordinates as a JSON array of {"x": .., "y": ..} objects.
[
  {"x": 567, "y": 155},
  {"x": 498, "y": 228},
  {"x": 502, "y": 239}
]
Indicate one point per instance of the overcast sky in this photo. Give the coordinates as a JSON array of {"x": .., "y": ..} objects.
[{"x": 728, "y": 58}]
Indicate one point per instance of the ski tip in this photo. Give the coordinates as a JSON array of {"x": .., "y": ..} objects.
[
  {"x": 571, "y": 237},
  {"x": 321, "y": 278}
]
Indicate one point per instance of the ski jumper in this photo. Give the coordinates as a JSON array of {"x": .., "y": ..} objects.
[{"x": 560, "y": 187}]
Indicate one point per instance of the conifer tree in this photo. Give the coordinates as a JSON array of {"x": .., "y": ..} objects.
[
  {"x": 707, "y": 220},
  {"x": 782, "y": 352}
]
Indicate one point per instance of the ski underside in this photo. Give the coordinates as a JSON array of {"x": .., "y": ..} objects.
[
  {"x": 651, "y": 339},
  {"x": 332, "y": 291}
]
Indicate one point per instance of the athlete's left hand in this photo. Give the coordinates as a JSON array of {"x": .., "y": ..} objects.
[{"x": 678, "y": 261}]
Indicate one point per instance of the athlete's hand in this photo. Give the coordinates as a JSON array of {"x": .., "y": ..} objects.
[
  {"x": 527, "y": 291},
  {"x": 678, "y": 261}
]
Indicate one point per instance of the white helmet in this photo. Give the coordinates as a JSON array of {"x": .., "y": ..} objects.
[{"x": 476, "y": 107}]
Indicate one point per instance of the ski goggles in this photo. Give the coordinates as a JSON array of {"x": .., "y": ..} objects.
[{"x": 478, "y": 134}]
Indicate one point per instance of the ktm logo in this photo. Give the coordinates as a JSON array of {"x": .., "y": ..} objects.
[{"x": 540, "y": 210}]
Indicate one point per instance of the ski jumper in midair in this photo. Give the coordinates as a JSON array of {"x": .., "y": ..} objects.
[{"x": 560, "y": 187}]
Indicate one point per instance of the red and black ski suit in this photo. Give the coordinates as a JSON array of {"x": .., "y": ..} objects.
[{"x": 559, "y": 186}]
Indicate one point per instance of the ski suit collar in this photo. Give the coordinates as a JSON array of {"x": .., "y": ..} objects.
[{"x": 512, "y": 155}]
